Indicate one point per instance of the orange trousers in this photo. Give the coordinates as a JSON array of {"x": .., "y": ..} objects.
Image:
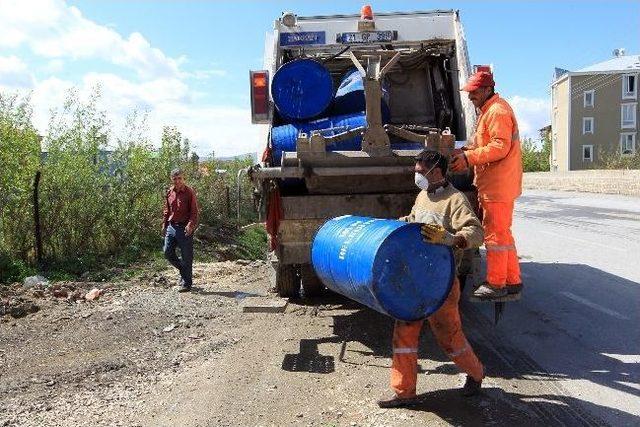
[
  {"x": 502, "y": 258},
  {"x": 447, "y": 329}
]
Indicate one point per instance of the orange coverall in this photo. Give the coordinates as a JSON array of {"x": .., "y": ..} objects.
[
  {"x": 447, "y": 329},
  {"x": 495, "y": 153},
  {"x": 449, "y": 208}
]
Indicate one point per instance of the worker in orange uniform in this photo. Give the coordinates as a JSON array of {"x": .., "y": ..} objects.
[
  {"x": 495, "y": 154},
  {"x": 447, "y": 219}
]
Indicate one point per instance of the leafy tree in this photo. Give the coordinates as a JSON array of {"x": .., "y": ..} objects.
[
  {"x": 101, "y": 190},
  {"x": 534, "y": 157},
  {"x": 19, "y": 161}
]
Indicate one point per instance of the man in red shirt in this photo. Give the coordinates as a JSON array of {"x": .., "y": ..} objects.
[{"x": 180, "y": 220}]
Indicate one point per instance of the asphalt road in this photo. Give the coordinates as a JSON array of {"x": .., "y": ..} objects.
[{"x": 578, "y": 323}]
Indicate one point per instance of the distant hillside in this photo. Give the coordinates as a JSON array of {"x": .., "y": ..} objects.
[{"x": 252, "y": 156}]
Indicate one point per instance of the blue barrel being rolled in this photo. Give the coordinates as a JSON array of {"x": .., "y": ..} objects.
[
  {"x": 350, "y": 97},
  {"x": 302, "y": 89},
  {"x": 383, "y": 264}
]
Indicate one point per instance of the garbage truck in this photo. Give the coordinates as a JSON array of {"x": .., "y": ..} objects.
[{"x": 349, "y": 101}]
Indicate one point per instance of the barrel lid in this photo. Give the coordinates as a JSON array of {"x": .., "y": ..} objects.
[
  {"x": 302, "y": 89},
  {"x": 412, "y": 278}
]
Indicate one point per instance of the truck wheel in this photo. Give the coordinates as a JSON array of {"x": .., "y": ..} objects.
[
  {"x": 287, "y": 281},
  {"x": 311, "y": 284}
]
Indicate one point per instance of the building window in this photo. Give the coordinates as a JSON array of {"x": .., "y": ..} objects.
[
  {"x": 587, "y": 153},
  {"x": 587, "y": 125},
  {"x": 588, "y": 98},
  {"x": 628, "y": 144},
  {"x": 628, "y": 115},
  {"x": 629, "y": 86}
]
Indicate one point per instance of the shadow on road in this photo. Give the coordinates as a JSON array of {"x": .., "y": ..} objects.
[
  {"x": 499, "y": 407},
  {"x": 548, "y": 285}
]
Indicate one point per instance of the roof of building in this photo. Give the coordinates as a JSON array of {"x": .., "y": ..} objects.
[{"x": 619, "y": 63}]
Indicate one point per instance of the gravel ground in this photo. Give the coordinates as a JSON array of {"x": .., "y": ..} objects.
[{"x": 144, "y": 355}]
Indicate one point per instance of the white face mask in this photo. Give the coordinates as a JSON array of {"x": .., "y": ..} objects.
[{"x": 421, "y": 181}]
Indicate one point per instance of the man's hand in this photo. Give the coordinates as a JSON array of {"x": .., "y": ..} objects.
[
  {"x": 459, "y": 162},
  {"x": 164, "y": 230},
  {"x": 188, "y": 230},
  {"x": 434, "y": 233}
]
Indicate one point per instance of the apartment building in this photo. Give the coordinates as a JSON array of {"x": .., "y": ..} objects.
[{"x": 595, "y": 113}]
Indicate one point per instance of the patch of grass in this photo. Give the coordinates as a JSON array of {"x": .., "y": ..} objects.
[
  {"x": 251, "y": 243},
  {"x": 227, "y": 243},
  {"x": 12, "y": 270}
]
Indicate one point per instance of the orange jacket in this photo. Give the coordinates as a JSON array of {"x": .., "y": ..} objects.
[{"x": 495, "y": 152}]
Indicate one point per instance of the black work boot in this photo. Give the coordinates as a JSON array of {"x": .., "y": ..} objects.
[
  {"x": 471, "y": 387},
  {"x": 514, "y": 288},
  {"x": 394, "y": 401},
  {"x": 488, "y": 291},
  {"x": 183, "y": 286}
]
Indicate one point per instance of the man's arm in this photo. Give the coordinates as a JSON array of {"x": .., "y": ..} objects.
[
  {"x": 165, "y": 213},
  {"x": 412, "y": 216},
  {"x": 193, "y": 214},
  {"x": 466, "y": 224},
  {"x": 501, "y": 128}
]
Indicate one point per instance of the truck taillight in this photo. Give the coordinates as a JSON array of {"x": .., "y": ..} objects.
[{"x": 259, "y": 96}]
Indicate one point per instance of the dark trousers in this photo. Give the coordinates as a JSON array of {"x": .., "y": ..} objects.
[{"x": 175, "y": 237}]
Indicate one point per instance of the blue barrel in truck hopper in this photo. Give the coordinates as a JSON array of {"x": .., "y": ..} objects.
[
  {"x": 383, "y": 264},
  {"x": 283, "y": 138},
  {"x": 302, "y": 89},
  {"x": 350, "y": 97}
]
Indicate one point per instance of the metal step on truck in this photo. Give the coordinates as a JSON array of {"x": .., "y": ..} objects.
[{"x": 349, "y": 100}]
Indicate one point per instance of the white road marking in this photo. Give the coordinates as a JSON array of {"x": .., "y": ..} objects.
[
  {"x": 588, "y": 242},
  {"x": 594, "y": 306},
  {"x": 624, "y": 358},
  {"x": 632, "y": 385}
]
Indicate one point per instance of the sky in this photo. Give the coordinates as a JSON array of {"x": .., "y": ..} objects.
[{"x": 186, "y": 63}]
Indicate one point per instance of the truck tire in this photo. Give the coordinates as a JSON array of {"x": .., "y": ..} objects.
[
  {"x": 287, "y": 281},
  {"x": 311, "y": 284}
]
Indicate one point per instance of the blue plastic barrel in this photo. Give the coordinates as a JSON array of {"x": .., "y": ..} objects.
[
  {"x": 302, "y": 89},
  {"x": 283, "y": 138},
  {"x": 350, "y": 97},
  {"x": 383, "y": 264}
]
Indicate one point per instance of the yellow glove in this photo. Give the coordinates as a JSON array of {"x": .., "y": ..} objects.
[{"x": 434, "y": 233}]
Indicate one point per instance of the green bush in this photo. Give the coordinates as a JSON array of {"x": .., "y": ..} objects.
[
  {"x": 534, "y": 157},
  {"x": 101, "y": 189},
  {"x": 612, "y": 159},
  {"x": 252, "y": 243}
]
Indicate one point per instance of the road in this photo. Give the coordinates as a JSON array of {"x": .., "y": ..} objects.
[
  {"x": 567, "y": 354},
  {"x": 580, "y": 314}
]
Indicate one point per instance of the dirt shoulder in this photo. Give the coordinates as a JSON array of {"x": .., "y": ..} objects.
[{"x": 143, "y": 355}]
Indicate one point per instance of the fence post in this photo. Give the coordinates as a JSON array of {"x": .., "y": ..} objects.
[
  {"x": 227, "y": 202},
  {"x": 36, "y": 219}
]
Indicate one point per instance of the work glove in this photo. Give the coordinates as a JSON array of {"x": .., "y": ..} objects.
[
  {"x": 434, "y": 233},
  {"x": 459, "y": 162}
]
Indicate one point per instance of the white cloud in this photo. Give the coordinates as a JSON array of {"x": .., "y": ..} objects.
[
  {"x": 52, "y": 29},
  {"x": 223, "y": 130},
  {"x": 55, "y": 32},
  {"x": 206, "y": 74},
  {"x": 14, "y": 73},
  {"x": 54, "y": 66},
  {"x": 532, "y": 115}
]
